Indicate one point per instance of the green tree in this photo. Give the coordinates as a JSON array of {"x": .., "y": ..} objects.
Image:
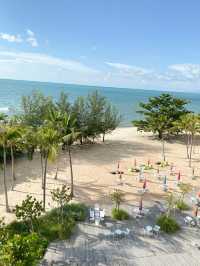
[
  {"x": 48, "y": 140},
  {"x": 189, "y": 124},
  {"x": 70, "y": 135},
  {"x": 110, "y": 120},
  {"x": 95, "y": 104},
  {"x": 23, "y": 250},
  {"x": 165, "y": 105},
  {"x": 29, "y": 210},
  {"x": 35, "y": 108},
  {"x": 117, "y": 197},
  {"x": 61, "y": 196}
]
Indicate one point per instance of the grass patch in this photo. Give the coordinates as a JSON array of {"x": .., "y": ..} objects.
[
  {"x": 119, "y": 214},
  {"x": 167, "y": 224}
]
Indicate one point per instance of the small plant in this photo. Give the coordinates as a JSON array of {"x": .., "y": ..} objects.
[
  {"x": 167, "y": 224},
  {"x": 23, "y": 250},
  {"x": 29, "y": 211},
  {"x": 117, "y": 197},
  {"x": 182, "y": 206},
  {"x": 171, "y": 203},
  {"x": 119, "y": 214},
  {"x": 62, "y": 197},
  {"x": 185, "y": 189}
]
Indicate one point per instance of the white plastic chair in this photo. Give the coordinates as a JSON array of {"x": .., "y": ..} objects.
[
  {"x": 102, "y": 214},
  {"x": 156, "y": 229},
  {"x": 91, "y": 215}
]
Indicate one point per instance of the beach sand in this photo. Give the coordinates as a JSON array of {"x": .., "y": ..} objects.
[{"x": 92, "y": 165}]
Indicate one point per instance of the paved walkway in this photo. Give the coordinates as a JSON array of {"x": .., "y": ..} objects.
[{"x": 91, "y": 246}]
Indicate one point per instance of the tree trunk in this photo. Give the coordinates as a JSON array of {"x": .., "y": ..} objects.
[
  {"x": 13, "y": 166},
  {"x": 44, "y": 182},
  {"x": 71, "y": 171},
  {"x": 103, "y": 137},
  {"x": 42, "y": 168},
  {"x": 163, "y": 150},
  {"x": 191, "y": 148},
  {"x": 4, "y": 179},
  {"x": 160, "y": 135},
  {"x": 187, "y": 145}
]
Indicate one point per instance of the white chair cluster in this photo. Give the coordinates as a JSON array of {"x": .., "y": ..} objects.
[
  {"x": 97, "y": 215},
  {"x": 152, "y": 230}
]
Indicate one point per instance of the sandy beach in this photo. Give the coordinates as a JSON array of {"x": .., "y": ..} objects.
[{"x": 92, "y": 165}]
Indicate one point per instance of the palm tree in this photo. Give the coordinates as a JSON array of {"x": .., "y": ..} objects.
[
  {"x": 4, "y": 143},
  {"x": 66, "y": 126},
  {"x": 14, "y": 134},
  {"x": 48, "y": 140},
  {"x": 70, "y": 135}
]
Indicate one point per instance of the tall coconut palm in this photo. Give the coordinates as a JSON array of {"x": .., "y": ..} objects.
[
  {"x": 48, "y": 140},
  {"x": 4, "y": 143},
  {"x": 14, "y": 134},
  {"x": 70, "y": 135}
]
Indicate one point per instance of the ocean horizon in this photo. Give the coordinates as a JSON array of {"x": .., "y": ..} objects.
[{"x": 126, "y": 100}]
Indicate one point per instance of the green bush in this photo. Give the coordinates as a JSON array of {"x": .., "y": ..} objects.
[
  {"x": 78, "y": 211},
  {"x": 167, "y": 224},
  {"x": 182, "y": 206},
  {"x": 66, "y": 228},
  {"x": 119, "y": 214},
  {"x": 23, "y": 250}
]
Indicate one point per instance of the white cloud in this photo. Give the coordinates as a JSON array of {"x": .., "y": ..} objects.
[
  {"x": 43, "y": 67},
  {"x": 11, "y": 38},
  {"x": 186, "y": 71},
  {"x": 31, "y": 39},
  {"x": 129, "y": 70}
]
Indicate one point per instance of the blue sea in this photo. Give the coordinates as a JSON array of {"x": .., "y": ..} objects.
[{"x": 126, "y": 100}]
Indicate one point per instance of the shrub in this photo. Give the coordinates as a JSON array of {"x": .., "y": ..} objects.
[
  {"x": 29, "y": 210},
  {"x": 66, "y": 228},
  {"x": 167, "y": 224},
  {"x": 182, "y": 206},
  {"x": 119, "y": 214},
  {"x": 23, "y": 250},
  {"x": 77, "y": 211}
]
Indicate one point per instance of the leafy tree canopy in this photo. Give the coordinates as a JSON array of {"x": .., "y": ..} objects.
[{"x": 160, "y": 112}]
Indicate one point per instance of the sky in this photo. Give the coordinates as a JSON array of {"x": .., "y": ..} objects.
[{"x": 147, "y": 44}]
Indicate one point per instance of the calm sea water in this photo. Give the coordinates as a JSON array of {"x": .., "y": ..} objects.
[{"x": 126, "y": 100}]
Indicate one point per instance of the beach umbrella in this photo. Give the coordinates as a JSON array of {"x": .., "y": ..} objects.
[
  {"x": 140, "y": 205},
  {"x": 179, "y": 176},
  {"x": 145, "y": 184},
  {"x": 165, "y": 180}
]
